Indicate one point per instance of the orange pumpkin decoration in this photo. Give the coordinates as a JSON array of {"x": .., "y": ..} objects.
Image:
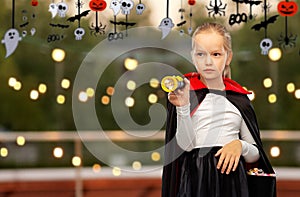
[
  {"x": 287, "y": 8},
  {"x": 97, "y": 5},
  {"x": 191, "y": 2},
  {"x": 34, "y": 2}
]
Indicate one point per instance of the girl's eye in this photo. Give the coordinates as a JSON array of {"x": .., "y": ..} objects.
[
  {"x": 200, "y": 54},
  {"x": 216, "y": 54}
]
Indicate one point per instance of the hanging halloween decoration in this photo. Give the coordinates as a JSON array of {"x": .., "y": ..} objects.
[
  {"x": 166, "y": 24},
  {"x": 287, "y": 9},
  {"x": 79, "y": 31},
  {"x": 125, "y": 7},
  {"x": 216, "y": 8},
  {"x": 97, "y": 6},
  {"x": 252, "y": 3},
  {"x": 182, "y": 22},
  {"x": 26, "y": 23},
  {"x": 140, "y": 7},
  {"x": 266, "y": 43},
  {"x": 115, "y": 5},
  {"x": 191, "y": 4},
  {"x": 12, "y": 37},
  {"x": 238, "y": 17},
  {"x": 58, "y": 23}
]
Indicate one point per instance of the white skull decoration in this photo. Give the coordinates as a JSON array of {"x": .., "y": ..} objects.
[
  {"x": 62, "y": 9},
  {"x": 79, "y": 32},
  {"x": 265, "y": 45},
  {"x": 140, "y": 8},
  {"x": 126, "y": 6}
]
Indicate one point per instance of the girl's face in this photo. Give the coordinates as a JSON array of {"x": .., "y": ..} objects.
[{"x": 209, "y": 55}]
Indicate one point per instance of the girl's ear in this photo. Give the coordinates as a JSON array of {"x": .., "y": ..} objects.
[{"x": 229, "y": 58}]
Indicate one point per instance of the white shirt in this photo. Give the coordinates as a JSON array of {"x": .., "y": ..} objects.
[{"x": 215, "y": 122}]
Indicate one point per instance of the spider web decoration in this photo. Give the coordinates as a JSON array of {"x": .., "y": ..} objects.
[
  {"x": 265, "y": 43},
  {"x": 79, "y": 32},
  {"x": 182, "y": 22},
  {"x": 216, "y": 8},
  {"x": 287, "y": 9},
  {"x": 166, "y": 24},
  {"x": 98, "y": 28},
  {"x": 12, "y": 37}
]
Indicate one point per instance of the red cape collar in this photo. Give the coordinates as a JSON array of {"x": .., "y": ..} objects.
[{"x": 230, "y": 85}]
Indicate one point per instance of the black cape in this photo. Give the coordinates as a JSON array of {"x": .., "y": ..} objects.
[{"x": 238, "y": 97}]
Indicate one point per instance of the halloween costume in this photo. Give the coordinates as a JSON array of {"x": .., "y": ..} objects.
[{"x": 194, "y": 173}]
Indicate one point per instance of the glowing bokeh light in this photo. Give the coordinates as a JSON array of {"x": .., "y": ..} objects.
[
  {"x": 76, "y": 161},
  {"x": 272, "y": 98},
  {"x": 12, "y": 81},
  {"x": 110, "y": 90},
  {"x": 96, "y": 168},
  {"x": 105, "y": 100},
  {"x": 3, "y": 152},
  {"x": 83, "y": 97},
  {"x": 116, "y": 171},
  {"x": 58, "y": 152},
  {"x": 18, "y": 86},
  {"x": 130, "y": 63},
  {"x": 90, "y": 92},
  {"x": 136, "y": 165},
  {"x": 131, "y": 85},
  {"x": 42, "y": 88},
  {"x": 65, "y": 83},
  {"x": 297, "y": 94},
  {"x": 274, "y": 54},
  {"x": 155, "y": 156},
  {"x": 275, "y": 151},
  {"x": 290, "y": 87},
  {"x": 267, "y": 82},
  {"x": 129, "y": 102},
  {"x": 152, "y": 98},
  {"x": 154, "y": 83},
  {"x": 58, "y": 55},
  {"x": 20, "y": 140},
  {"x": 34, "y": 95},
  {"x": 60, "y": 99}
]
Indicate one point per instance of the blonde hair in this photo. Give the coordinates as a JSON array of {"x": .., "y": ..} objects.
[{"x": 221, "y": 30}]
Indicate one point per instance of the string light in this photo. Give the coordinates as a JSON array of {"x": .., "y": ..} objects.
[
  {"x": 155, "y": 156},
  {"x": 297, "y": 94},
  {"x": 96, "y": 168},
  {"x": 116, "y": 171},
  {"x": 131, "y": 85},
  {"x": 267, "y": 82},
  {"x": 290, "y": 87},
  {"x": 90, "y": 92},
  {"x": 60, "y": 99},
  {"x": 154, "y": 83},
  {"x": 58, "y": 152},
  {"x": 76, "y": 161},
  {"x": 110, "y": 90},
  {"x": 129, "y": 102},
  {"x": 136, "y": 165},
  {"x": 83, "y": 97},
  {"x": 3, "y": 152},
  {"x": 42, "y": 88},
  {"x": 130, "y": 63},
  {"x": 105, "y": 100},
  {"x": 65, "y": 83},
  {"x": 34, "y": 94},
  {"x": 275, "y": 151},
  {"x": 272, "y": 98},
  {"x": 152, "y": 98},
  {"x": 58, "y": 55}
]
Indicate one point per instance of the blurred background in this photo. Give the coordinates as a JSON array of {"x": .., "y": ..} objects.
[{"x": 41, "y": 150}]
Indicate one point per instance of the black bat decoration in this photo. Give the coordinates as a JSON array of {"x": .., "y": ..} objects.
[
  {"x": 24, "y": 25},
  {"x": 181, "y": 23},
  {"x": 78, "y": 16},
  {"x": 264, "y": 24},
  {"x": 59, "y": 25},
  {"x": 122, "y": 23}
]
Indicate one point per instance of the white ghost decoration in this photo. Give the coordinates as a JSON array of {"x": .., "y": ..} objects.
[
  {"x": 140, "y": 8},
  {"x": 126, "y": 6},
  {"x": 62, "y": 9},
  {"x": 265, "y": 45},
  {"x": 79, "y": 32},
  {"x": 53, "y": 9},
  {"x": 165, "y": 26},
  {"x": 11, "y": 41},
  {"x": 115, "y": 5}
]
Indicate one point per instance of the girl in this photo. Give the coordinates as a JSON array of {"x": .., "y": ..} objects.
[{"x": 210, "y": 125}]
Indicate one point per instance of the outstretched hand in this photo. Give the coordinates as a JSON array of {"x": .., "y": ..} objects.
[{"x": 229, "y": 156}]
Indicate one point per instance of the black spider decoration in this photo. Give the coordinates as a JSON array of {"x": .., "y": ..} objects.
[
  {"x": 216, "y": 8},
  {"x": 97, "y": 29},
  {"x": 285, "y": 41}
]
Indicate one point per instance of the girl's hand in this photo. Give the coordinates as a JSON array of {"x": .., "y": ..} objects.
[
  {"x": 229, "y": 156},
  {"x": 181, "y": 97}
]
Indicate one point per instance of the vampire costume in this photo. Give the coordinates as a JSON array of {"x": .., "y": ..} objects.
[{"x": 194, "y": 173}]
